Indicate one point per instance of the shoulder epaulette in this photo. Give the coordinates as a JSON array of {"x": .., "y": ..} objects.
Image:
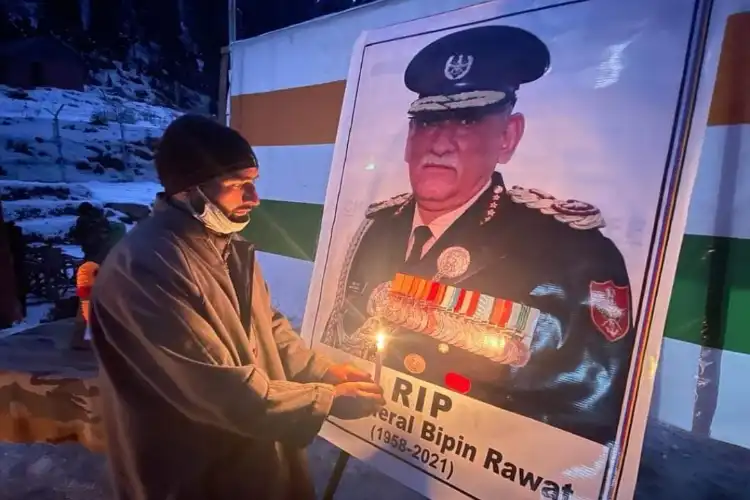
[
  {"x": 397, "y": 201},
  {"x": 575, "y": 213}
]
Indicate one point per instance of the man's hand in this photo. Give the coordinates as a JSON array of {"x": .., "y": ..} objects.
[
  {"x": 338, "y": 374},
  {"x": 353, "y": 400}
]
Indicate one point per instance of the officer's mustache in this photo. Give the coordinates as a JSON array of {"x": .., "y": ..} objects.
[{"x": 439, "y": 161}]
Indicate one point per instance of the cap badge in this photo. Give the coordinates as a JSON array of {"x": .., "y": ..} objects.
[{"x": 458, "y": 66}]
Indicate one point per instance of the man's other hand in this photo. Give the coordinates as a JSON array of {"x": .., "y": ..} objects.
[
  {"x": 338, "y": 374},
  {"x": 353, "y": 400}
]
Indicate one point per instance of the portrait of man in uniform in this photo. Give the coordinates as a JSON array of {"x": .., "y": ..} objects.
[{"x": 503, "y": 293}]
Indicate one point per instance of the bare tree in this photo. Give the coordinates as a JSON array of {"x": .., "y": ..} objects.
[
  {"x": 122, "y": 115},
  {"x": 57, "y": 139}
]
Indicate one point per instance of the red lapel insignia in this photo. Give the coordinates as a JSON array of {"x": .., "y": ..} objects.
[{"x": 609, "y": 305}]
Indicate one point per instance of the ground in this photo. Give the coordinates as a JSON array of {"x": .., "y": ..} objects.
[{"x": 674, "y": 466}]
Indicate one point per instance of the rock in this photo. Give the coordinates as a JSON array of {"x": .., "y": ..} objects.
[
  {"x": 50, "y": 390},
  {"x": 135, "y": 211}
]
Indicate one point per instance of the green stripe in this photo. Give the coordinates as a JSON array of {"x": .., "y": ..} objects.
[
  {"x": 685, "y": 318},
  {"x": 286, "y": 228},
  {"x": 292, "y": 229}
]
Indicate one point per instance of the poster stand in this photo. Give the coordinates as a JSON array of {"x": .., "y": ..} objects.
[{"x": 338, "y": 472}]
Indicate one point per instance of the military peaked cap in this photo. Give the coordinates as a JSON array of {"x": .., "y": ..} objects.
[{"x": 475, "y": 68}]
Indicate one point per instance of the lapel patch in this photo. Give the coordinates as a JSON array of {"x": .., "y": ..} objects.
[{"x": 609, "y": 306}]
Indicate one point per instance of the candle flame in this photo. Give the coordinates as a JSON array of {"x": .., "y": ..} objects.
[{"x": 380, "y": 341}]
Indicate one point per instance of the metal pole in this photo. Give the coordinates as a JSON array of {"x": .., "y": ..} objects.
[
  {"x": 223, "y": 87},
  {"x": 232, "y": 21},
  {"x": 335, "y": 479}
]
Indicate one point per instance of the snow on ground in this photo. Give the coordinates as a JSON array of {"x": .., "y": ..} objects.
[
  {"x": 35, "y": 313},
  {"x": 44, "y": 103},
  {"x": 52, "y": 211},
  {"x": 142, "y": 193},
  {"x": 72, "y": 250},
  {"x": 52, "y": 228},
  {"x": 97, "y": 136}
]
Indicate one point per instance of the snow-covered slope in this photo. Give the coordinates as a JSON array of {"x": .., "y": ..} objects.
[
  {"x": 61, "y": 135},
  {"x": 59, "y": 148}
]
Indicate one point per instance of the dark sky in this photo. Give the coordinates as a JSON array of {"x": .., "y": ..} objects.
[{"x": 256, "y": 17}]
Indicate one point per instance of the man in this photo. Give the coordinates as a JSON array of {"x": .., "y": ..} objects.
[
  {"x": 92, "y": 232},
  {"x": 509, "y": 296},
  {"x": 18, "y": 247},
  {"x": 207, "y": 392},
  {"x": 10, "y": 306}
]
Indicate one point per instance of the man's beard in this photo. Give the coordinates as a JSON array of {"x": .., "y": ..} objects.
[
  {"x": 241, "y": 219},
  {"x": 213, "y": 217}
]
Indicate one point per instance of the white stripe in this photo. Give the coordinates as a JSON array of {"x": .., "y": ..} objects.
[
  {"x": 724, "y": 172},
  {"x": 319, "y": 51},
  {"x": 676, "y": 395},
  {"x": 294, "y": 173},
  {"x": 288, "y": 280}
]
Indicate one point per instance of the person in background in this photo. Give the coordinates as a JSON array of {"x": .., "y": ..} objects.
[
  {"x": 18, "y": 251},
  {"x": 91, "y": 232},
  {"x": 10, "y": 308},
  {"x": 207, "y": 392}
]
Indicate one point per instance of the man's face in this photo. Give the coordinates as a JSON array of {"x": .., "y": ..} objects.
[
  {"x": 234, "y": 193},
  {"x": 450, "y": 161}
]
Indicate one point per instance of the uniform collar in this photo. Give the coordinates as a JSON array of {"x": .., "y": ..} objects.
[{"x": 441, "y": 224}]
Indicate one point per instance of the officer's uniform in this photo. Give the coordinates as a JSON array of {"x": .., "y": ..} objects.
[{"x": 514, "y": 245}]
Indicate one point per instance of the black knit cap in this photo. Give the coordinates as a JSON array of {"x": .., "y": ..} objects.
[{"x": 195, "y": 149}]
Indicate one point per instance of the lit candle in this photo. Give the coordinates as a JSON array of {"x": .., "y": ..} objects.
[{"x": 379, "y": 348}]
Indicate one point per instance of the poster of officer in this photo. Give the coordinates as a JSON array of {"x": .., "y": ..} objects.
[
  {"x": 497, "y": 210},
  {"x": 503, "y": 293}
]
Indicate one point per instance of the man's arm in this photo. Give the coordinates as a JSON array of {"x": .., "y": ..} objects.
[
  {"x": 160, "y": 331},
  {"x": 599, "y": 340},
  {"x": 301, "y": 364}
]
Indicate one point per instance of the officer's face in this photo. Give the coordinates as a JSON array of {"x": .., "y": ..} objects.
[
  {"x": 450, "y": 161},
  {"x": 235, "y": 193}
]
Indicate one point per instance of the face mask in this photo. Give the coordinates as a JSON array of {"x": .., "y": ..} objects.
[{"x": 214, "y": 219}]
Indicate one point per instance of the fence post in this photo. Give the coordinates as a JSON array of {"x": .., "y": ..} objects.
[
  {"x": 58, "y": 141},
  {"x": 120, "y": 113}
]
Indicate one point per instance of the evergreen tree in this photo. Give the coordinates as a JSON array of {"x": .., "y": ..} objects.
[
  {"x": 61, "y": 17},
  {"x": 106, "y": 25}
]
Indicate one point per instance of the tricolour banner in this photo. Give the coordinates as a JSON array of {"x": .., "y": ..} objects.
[{"x": 495, "y": 239}]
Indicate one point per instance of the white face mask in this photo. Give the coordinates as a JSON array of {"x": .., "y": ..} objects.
[{"x": 214, "y": 219}]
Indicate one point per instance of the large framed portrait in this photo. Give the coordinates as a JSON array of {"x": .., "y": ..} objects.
[{"x": 493, "y": 237}]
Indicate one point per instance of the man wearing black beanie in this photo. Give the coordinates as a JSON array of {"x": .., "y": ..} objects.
[{"x": 207, "y": 392}]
